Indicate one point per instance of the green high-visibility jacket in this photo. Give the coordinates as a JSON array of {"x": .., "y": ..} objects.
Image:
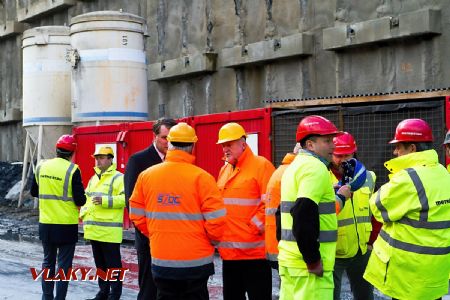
[
  {"x": 411, "y": 256},
  {"x": 104, "y": 222},
  {"x": 307, "y": 177},
  {"x": 56, "y": 205},
  {"x": 354, "y": 226}
]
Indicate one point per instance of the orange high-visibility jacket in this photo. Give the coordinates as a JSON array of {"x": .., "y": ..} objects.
[
  {"x": 272, "y": 201},
  {"x": 242, "y": 188},
  {"x": 180, "y": 208}
]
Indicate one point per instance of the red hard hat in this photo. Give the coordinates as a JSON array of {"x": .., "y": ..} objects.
[
  {"x": 345, "y": 144},
  {"x": 412, "y": 130},
  {"x": 316, "y": 125},
  {"x": 66, "y": 142}
]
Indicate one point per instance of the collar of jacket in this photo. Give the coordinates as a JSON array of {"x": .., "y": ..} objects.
[
  {"x": 422, "y": 158},
  {"x": 307, "y": 152},
  {"x": 179, "y": 156},
  {"x": 246, "y": 154},
  {"x": 288, "y": 158},
  {"x": 110, "y": 170}
]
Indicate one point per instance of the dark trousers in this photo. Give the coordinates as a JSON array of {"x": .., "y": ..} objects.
[
  {"x": 147, "y": 287},
  {"x": 354, "y": 266},
  {"x": 194, "y": 289},
  {"x": 253, "y": 277},
  {"x": 107, "y": 255},
  {"x": 65, "y": 253}
]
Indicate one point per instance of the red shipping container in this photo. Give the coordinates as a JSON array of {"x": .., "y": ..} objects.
[{"x": 129, "y": 138}]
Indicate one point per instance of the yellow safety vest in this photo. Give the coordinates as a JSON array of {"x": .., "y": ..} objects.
[
  {"x": 411, "y": 256},
  {"x": 354, "y": 225},
  {"x": 56, "y": 205},
  {"x": 307, "y": 177},
  {"x": 104, "y": 222}
]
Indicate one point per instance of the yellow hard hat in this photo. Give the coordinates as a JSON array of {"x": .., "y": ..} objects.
[
  {"x": 105, "y": 150},
  {"x": 182, "y": 133},
  {"x": 230, "y": 132}
]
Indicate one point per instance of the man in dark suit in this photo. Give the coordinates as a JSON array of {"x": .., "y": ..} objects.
[{"x": 137, "y": 163}]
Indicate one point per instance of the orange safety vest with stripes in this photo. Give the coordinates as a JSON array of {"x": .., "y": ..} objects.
[
  {"x": 272, "y": 202},
  {"x": 242, "y": 187},
  {"x": 180, "y": 208}
]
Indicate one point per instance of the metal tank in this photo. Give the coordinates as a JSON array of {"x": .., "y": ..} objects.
[
  {"x": 109, "y": 78},
  {"x": 46, "y": 86}
]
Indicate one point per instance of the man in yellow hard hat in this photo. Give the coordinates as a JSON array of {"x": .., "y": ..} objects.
[
  {"x": 179, "y": 207},
  {"x": 103, "y": 219},
  {"x": 137, "y": 163},
  {"x": 243, "y": 181}
]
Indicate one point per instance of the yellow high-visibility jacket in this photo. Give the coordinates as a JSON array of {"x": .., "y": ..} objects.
[
  {"x": 104, "y": 222},
  {"x": 354, "y": 226},
  {"x": 411, "y": 256},
  {"x": 56, "y": 205}
]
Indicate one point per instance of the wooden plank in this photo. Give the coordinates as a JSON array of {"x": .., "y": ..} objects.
[{"x": 359, "y": 99}]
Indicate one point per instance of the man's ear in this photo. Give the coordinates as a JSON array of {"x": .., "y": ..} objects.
[{"x": 413, "y": 148}]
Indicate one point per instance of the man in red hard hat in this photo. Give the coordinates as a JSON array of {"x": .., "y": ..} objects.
[
  {"x": 446, "y": 144},
  {"x": 308, "y": 215},
  {"x": 414, "y": 209},
  {"x": 354, "y": 224},
  {"x": 58, "y": 185}
]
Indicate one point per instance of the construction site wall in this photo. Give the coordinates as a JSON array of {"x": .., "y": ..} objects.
[{"x": 209, "y": 56}]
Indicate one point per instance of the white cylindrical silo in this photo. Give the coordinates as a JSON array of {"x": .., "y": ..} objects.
[
  {"x": 109, "y": 78},
  {"x": 46, "y": 87},
  {"x": 46, "y": 76}
]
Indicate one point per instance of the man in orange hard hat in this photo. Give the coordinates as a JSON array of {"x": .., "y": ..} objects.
[
  {"x": 414, "y": 209},
  {"x": 138, "y": 162},
  {"x": 243, "y": 181},
  {"x": 272, "y": 203},
  {"x": 179, "y": 207},
  {"x": 308, "y": 215},
  {"x": 354, "y": 224},
  {"x": 58, "y": 185}
]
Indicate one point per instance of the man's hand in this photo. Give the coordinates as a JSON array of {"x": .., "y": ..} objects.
[
  {"x": 316, "y": 268},
  {"x": 345, "y": 191},
  {"x": 97, "y": 200}
]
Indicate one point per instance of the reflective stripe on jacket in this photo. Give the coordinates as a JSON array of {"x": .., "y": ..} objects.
[
  {"x": 307, "y": 177},
  {"x": 56, "y": 205},
  {"x": 272, "y": 202},
  {"x": 242, "y": 187},
  {"x": 354, "y": 220},
  {"x": 104, "y": 222},
  {"x": 411, "y": 256},
  {"x": 179, "y": 205}
]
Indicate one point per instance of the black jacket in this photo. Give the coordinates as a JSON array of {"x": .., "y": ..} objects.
[{"x": 137, "y": 163}]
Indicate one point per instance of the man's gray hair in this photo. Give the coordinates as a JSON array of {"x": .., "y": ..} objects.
[{"x": 186, "y": 147}]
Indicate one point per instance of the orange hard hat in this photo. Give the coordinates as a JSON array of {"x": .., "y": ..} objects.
[
  {"x": 345, "y": 144},
  {"x": 66, "y": 142},
  {"x": 412, "y": 130},
  {"x": 315, "y": 125}
]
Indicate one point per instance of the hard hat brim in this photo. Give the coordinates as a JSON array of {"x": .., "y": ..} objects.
[{"x": 222, "y": 141}]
